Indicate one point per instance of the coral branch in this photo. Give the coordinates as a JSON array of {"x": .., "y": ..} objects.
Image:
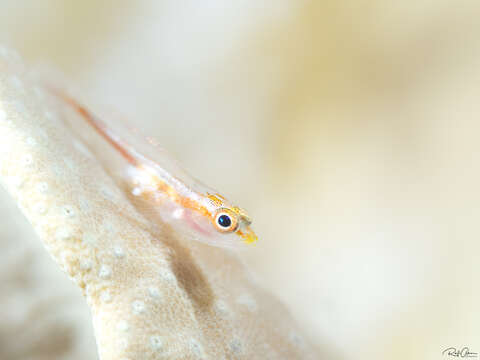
[{"x": 152, "y": 294}]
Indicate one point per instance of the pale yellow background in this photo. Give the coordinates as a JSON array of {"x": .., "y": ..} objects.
[{"x": 349, "y": 130}]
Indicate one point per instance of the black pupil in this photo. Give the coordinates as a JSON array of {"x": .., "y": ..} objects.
[{"x": 224, "y": 220}]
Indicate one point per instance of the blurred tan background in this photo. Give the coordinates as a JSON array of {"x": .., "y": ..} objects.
[{"x": 349, "y": 129}]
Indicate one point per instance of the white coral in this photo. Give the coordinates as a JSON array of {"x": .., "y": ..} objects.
[{"x": 151, "y": 294}]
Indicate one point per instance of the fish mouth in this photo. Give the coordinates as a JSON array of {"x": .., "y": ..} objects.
[{"x": 248, "y": 235}]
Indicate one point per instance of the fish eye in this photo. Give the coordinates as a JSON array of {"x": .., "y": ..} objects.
[{"x": 225, "y": 222}]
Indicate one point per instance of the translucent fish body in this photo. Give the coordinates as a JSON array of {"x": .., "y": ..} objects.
[{"x": 200, "y": 212}]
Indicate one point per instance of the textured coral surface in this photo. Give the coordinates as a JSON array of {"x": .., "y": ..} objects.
[
  {"x": 152, "y": 295},
  {"x": 44, "y": 316}
]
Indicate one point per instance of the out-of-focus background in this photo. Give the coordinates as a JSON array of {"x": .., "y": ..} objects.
[{"x": 349, "y": 129}]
